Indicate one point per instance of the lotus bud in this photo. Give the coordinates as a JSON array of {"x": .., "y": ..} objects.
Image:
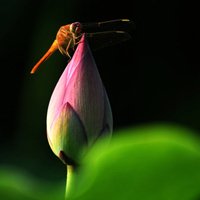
[{"x": 79, "y": 110}]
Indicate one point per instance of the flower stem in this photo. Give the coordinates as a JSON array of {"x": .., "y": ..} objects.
[{"x": 70, "y": 176}]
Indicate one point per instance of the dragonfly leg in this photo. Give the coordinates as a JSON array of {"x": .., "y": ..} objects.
[
  {"x": 67, "y": 48},
  {"x": 76, "y": 40}
]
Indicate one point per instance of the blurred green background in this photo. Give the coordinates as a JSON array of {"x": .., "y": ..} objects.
[{"x": 152, "y": 78}]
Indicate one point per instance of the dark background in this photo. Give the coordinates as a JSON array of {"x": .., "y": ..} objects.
[{"x": 152, "y": 78}]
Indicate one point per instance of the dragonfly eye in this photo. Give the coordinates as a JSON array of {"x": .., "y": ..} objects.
[{"x": 75, "y": 27}]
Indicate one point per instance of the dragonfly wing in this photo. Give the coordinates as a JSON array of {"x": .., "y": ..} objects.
[
  {"x": 107, "y": 38},
  {"x": 114, "y": 25}
]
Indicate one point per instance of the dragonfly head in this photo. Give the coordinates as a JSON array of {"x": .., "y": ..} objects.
[{"x": 75, "y": 28}]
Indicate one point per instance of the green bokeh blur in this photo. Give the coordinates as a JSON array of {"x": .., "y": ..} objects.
[{"x": 148, "y": 162}]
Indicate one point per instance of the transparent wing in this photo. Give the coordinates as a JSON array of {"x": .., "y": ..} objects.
[
  {"x": 111, "y": 25},
  {"x": 105, "y": 39}
]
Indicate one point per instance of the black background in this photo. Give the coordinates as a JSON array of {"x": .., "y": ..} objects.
[{"x": 152, "y": 78}]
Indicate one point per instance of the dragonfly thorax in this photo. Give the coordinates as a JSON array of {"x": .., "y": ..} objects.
[{"x": 67, "y": 37}]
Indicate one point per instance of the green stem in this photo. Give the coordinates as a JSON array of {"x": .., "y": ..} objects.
[{"x": 70, "y": 177}]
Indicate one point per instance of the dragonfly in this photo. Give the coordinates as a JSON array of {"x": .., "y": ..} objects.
[{"x": 103, "y": 34}]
